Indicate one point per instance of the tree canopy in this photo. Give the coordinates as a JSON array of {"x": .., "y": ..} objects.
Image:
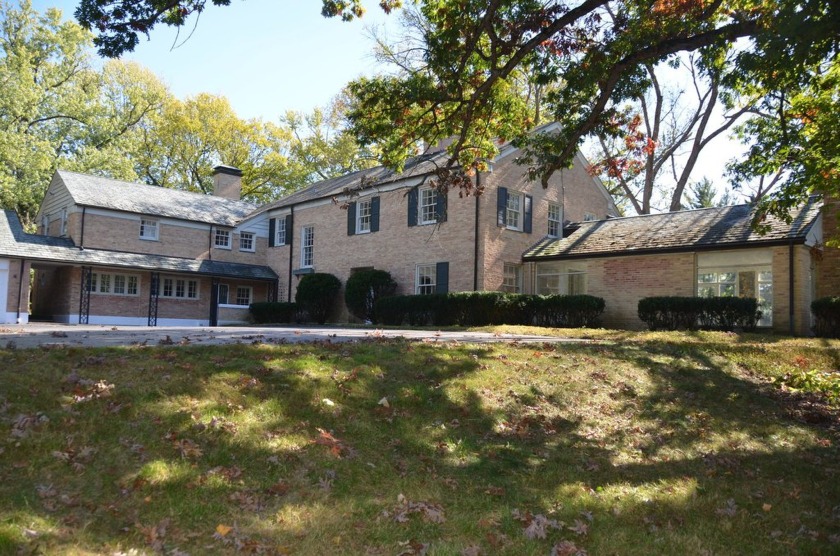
[{"x": 780, "y": 54}]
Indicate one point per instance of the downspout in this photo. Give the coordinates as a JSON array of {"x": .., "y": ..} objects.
[
  {"x": 20, "y": 288},
  {"x": 82, "y": 236},
  {"x": 790, "y": 286},
  {"x": 291, "y": 254},
  {"x": 477, "y": 215}
]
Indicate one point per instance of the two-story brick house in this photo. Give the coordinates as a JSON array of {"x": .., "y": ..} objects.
[{"x": 111, "y": 252}]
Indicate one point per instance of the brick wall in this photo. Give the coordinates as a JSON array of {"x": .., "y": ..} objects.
[
  {"x": 623, "y": 281},
  {"x": 123, "y": 234},
  {"x": 828, "y": 280},
  {"x": 802, "y": 290},
  {"x": 18, "y": 294}
]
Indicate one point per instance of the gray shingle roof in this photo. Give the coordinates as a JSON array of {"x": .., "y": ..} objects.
[
  {"x": 95, "y": 191},
  {"x": 380, "y": 175},
  {"x": 675, "y": 231},
  {"x": 14, "y": 242}
]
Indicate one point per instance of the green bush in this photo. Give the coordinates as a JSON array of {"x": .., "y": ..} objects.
[
  {"x": 364, "y": 288},
  {"x": 827, "y": 317},
  {"x": 691, "y": 313},
  {"x": 488, "y": 308},
  {"x": 273, "y": 312},
  {"x": 316, "y": 294}
]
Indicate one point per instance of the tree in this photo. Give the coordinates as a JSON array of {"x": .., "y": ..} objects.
[
  {"x": 702, "y": 194},
  {"x": 596, "y": 49}
]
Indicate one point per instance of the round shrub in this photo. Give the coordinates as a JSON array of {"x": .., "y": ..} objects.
[
  {"x": 316, "y": 294},
  {"x": 364, "y": 288}
]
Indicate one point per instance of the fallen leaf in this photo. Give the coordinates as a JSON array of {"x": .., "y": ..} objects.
[
  {"x": 223, "y": 530},
  {"x": 384, "y": 402},
  {"x": 767, "y": 507}
]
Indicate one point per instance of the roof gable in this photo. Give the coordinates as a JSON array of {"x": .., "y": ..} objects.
[{"x": 106, "y": 193}]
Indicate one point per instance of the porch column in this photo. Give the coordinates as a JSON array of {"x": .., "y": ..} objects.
[
  {"x": 154, "y": 294},
  {"x": 84, "y": 295}
]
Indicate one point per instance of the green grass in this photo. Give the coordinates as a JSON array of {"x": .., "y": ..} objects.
[{"x": 634, "y": 443}]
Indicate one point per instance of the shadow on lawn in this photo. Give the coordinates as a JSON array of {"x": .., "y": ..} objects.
[{"x": 398, "y": 418}]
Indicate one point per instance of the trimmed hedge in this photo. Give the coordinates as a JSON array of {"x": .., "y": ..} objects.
[
  {"x": 273, "y": 312},
  {"x": 705, "y": 313},
  {"x": 487, "y": 308},
  {"x": 316, "y": 294},
  {"x": 362, "y": 290},
  {"x": 827, "y": 317}
]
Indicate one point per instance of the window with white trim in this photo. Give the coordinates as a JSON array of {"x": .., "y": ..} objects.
[
  {"x": 223, "y": 294},
  {"x": 221, "y": 239},
  {"x": 246, "y": 241},
  {"x": 743, "y": 281},
  {"x": 179, "y": 288},
  {"x": 244, "y": 295},
  {"x": 561, "y": 278},
  {"x": 427, "y": 206},
  {"x": 363, "y": 216},
  {"x": 114, "y": 284},
  {"x": 554, "y": 224},
  {"x": 425, "y": 280},
  {"x": 280, "y": 231},
  {"x": 513, "y": 211},
  {"x": 512, "y": 279},
  {"x": 307, "y": 248},
  {"x": 148, "y": 229}
]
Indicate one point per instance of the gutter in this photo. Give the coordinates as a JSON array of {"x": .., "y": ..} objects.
[
  {"x": 291, "y": 254},
  {"x": 791, "y": 296},
  {"x": 82, "y": 238},
  {"x": 477, "y": 215},
  {"x": 20, "y": 288}
]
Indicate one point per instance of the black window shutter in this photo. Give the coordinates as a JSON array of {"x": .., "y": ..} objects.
[
  {"x": 501, "y": 207},
  {"x": 351, "y": 219},
  {"x": 529, "y": 210},
  {"x": 374, "y": 214},
  {"x": 272, "y": 231},
  {"x": 289, "y": 228},
  {"x": 412, "y": 207},
  {"x": 442, "y": 282},
  {"x": 440, "y": 207}
]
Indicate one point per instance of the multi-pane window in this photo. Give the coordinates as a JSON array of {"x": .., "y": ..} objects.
[
  {"x": 114, "y": 284},
  {"x": 246, "y": 241},
  {"x": 178, "y": 288},
  {"x": 363, "y": 216},
  {"x": 512, "y": 280},
  {"x": 754, "y": 282},
  {"x": 554, "y": 224},
  {"x": 280, "y": 232},
  {"x": 425, "y": 279},
  {"x": 148, "y": 229},
  {"x": 307, "y": 255},
  {"x": 513, "y": 212},
  {"x": 561, "y": 279},
  {"x": 243, "y": 296},
  {"x": 222, "y": 238},
  {"x": 427, "y": 206},
  {"x": 223, "y": 294}
]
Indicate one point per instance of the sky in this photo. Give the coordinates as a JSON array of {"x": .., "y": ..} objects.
[
  {"x": 265, "y": 56},
  {"x": 271, "y": 56}
]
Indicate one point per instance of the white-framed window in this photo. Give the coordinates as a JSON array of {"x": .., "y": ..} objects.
[
  {"x": 64, "y": 221},
  {"x": 244, "y": 295},
  {"x": 307, "y": 248},
  {"x": 114, "y": 284},
  {"x": 554, "y": 223},
  {"x": 148, "y": 229},
  {"x": 427, "y": 206},
  {"x": 363, "y": 216},
  {"x": 512, "y": 279},
  {"x": 561, "y": 278},
  {"x": 179, "y": 288},
  {"x": 246, "y": 241},
  {"x": 224, "y": 290},
  {"x": 743, "y": 281},
  {"x": 425, "y": 281},
  {"x": 513, "y": 211},
  {"x": 280, "y": 231},
  {"x": 221, "y": 239}
]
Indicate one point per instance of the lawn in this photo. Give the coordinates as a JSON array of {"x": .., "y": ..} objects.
[{"x": 631, "y": 443}]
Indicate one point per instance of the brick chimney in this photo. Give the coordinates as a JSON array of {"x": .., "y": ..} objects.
[{"x": 227, "y": 182}]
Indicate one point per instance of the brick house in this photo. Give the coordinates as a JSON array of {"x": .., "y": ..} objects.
[
  {"x": 110, "y": 252},
  {"x": 699, "y": 252}
]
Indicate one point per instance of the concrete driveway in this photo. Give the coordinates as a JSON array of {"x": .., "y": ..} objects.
[{"x": 48, "y": 334}]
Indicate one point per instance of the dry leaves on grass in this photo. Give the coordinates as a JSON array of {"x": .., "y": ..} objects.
[
  {"x": 23, "y": 425},
  {"x": 535, "y": 526},
  {"x": 405, "y": 508},
  {"x": 567, "y": 548},
  {"x": 336, "y": 447},
  {"x": 412, "y": 548}
]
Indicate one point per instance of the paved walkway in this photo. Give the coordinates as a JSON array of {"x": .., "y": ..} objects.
[{"x": 48, "y": 334}]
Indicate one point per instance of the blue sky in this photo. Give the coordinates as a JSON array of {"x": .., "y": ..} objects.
[{"x": 265, "y": 56}]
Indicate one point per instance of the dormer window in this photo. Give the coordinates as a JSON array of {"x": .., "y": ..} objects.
[{"x": 148, "y": 229}]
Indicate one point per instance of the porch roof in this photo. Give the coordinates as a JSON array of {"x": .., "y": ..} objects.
[
  {"x": 16, "y": 243},
  {"x": 689, "y": 230}
]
